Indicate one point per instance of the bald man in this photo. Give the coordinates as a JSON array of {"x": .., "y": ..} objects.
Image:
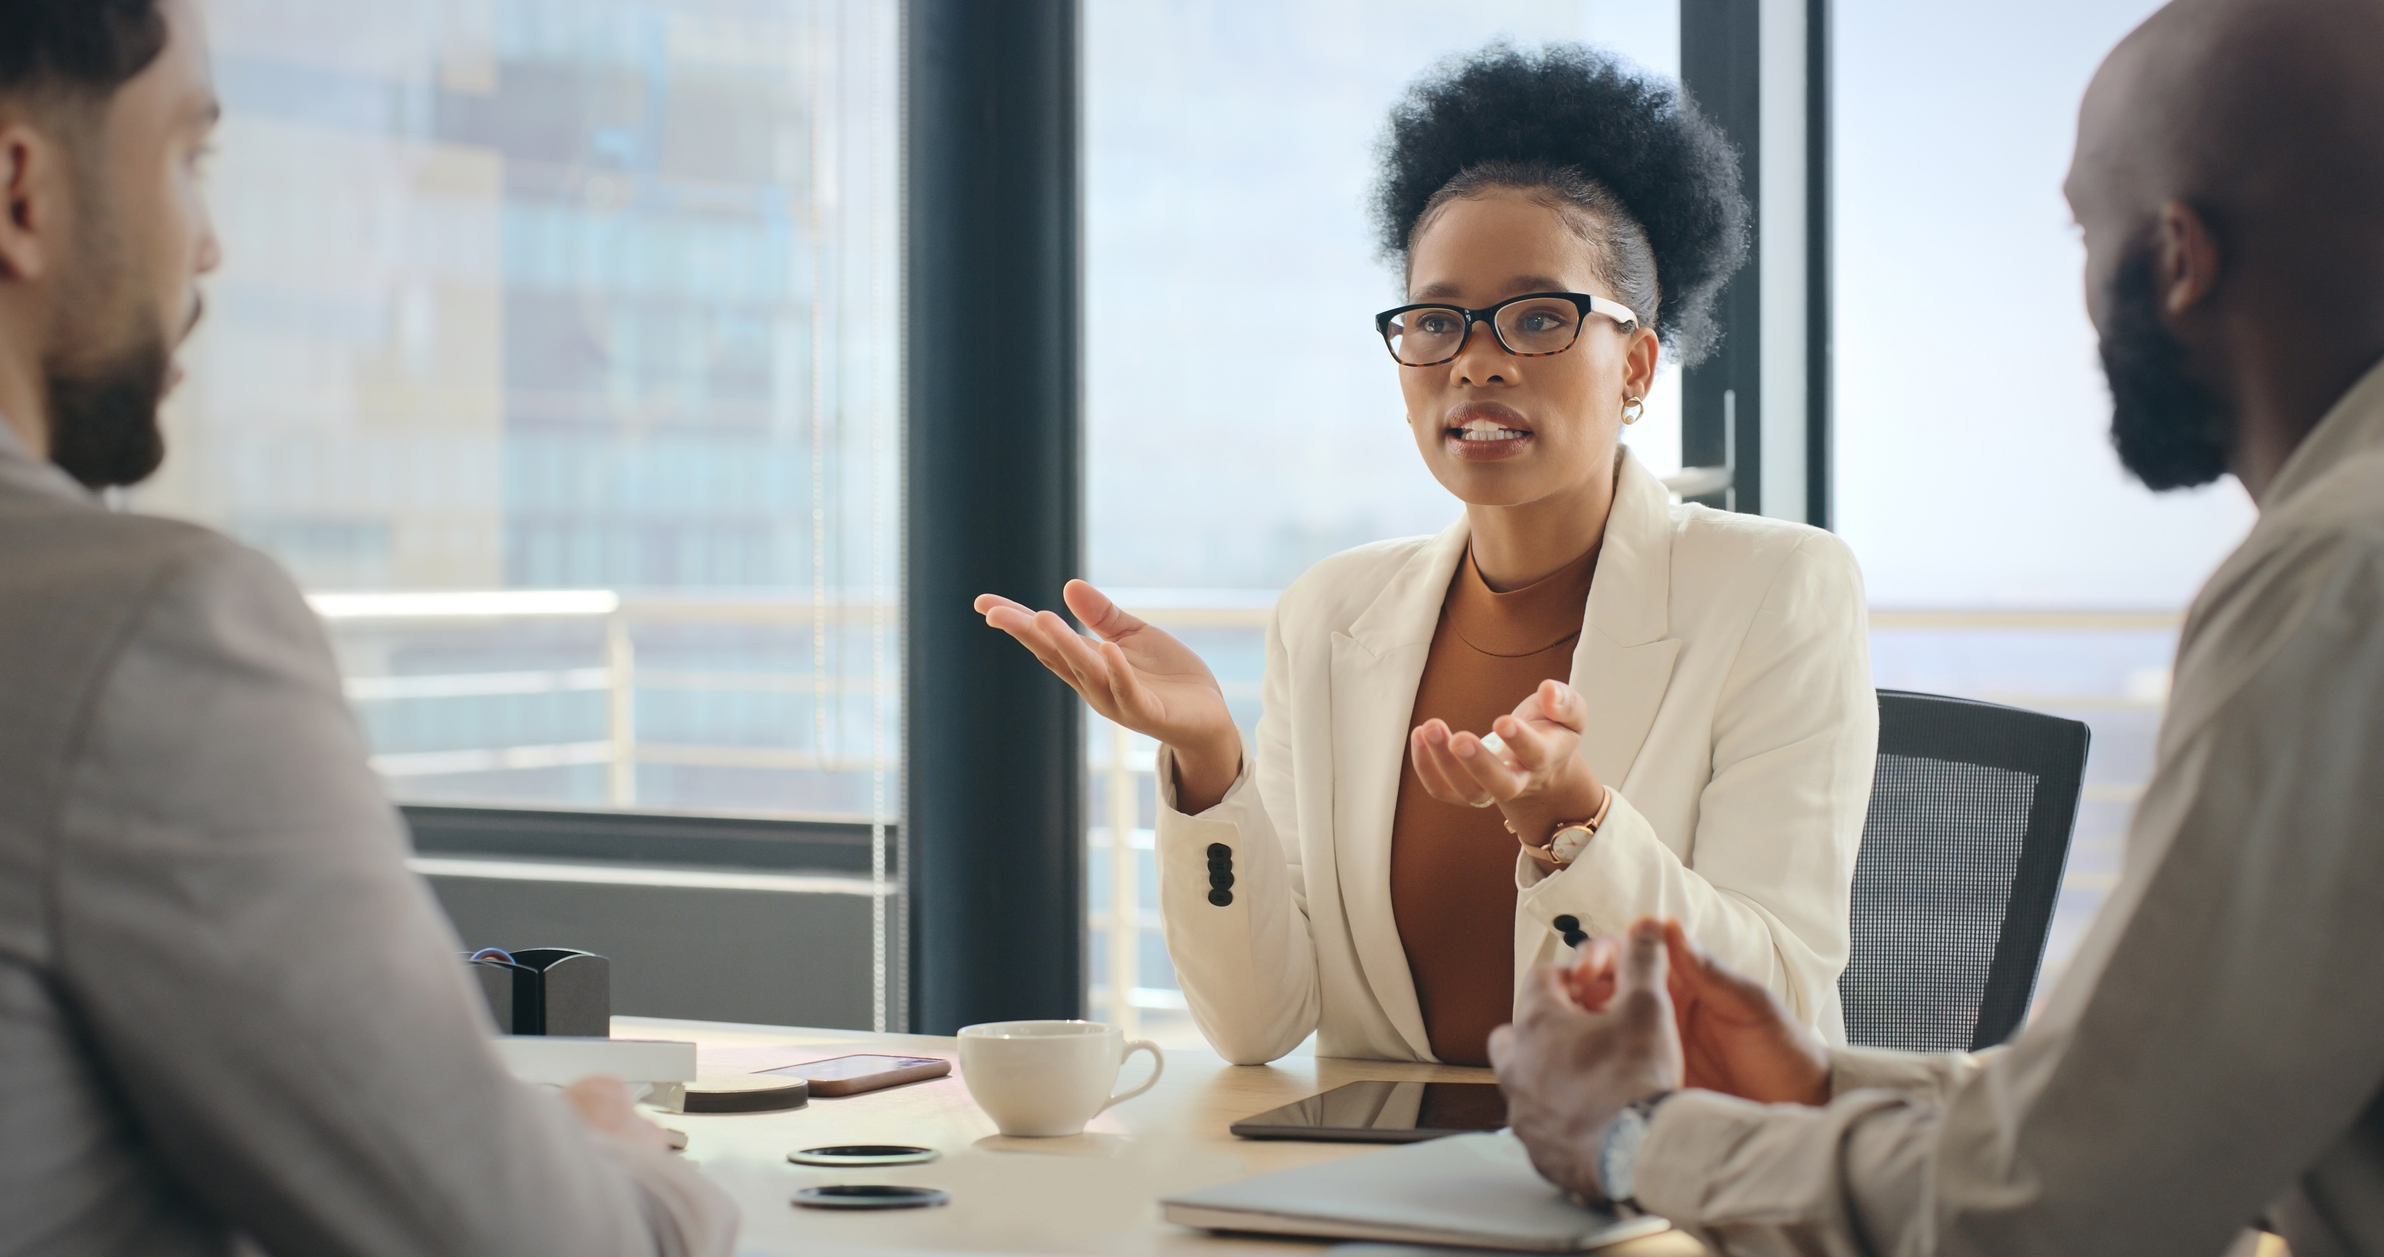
[{"x": 2214, "y": 1055}]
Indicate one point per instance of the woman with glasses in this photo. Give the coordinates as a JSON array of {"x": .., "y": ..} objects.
[{"x": 1580, "y": 704}]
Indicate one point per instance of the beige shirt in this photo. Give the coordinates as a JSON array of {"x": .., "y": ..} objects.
[
  {"x": 2214, "y": 1053},
  {"x": 228, "y": 1014}
]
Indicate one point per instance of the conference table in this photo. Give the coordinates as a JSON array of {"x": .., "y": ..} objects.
[{"x": 1097, "y": 1192}]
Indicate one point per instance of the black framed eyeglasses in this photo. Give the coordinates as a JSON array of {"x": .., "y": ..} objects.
[{"x": 1530, "y": 326}]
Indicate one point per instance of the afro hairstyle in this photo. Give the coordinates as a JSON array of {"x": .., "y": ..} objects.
[{"x": 1579, "y": 125}]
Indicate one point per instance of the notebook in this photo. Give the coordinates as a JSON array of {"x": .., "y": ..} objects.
[{"x": 1476, "y": 1191}]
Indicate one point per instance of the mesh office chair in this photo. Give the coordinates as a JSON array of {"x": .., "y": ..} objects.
[{"x": 1971, "y": 812}]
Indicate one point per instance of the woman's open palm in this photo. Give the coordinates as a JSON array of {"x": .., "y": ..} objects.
[
  {"x": 1131, "y": 673},
  {"x": 1538, "y": 779}
]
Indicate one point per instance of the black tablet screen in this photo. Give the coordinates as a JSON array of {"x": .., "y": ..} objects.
[{"x": 1383, "y": 1112}]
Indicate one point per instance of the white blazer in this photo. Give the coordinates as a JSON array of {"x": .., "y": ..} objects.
[{"x": 1726, "y": 663}]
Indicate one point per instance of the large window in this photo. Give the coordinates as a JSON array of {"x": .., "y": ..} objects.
[
  {"x": 554, "y": 349},
  {"x": 2008, "y": 556},
  {"x": 1229, "y": 153},
  {"x": 555, "y": 353}
]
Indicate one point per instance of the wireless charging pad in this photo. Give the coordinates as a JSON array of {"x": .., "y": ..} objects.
[
  {"x": 852, "y": 1155},
  {"x": 869, "y": 1196},
  {"x": 746, "y": 1093}
]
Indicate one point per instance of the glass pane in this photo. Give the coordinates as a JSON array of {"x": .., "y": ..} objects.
[
  {"x": 579, "y": 315},
  {"x": 1229, "y": 153},
  {"x": 2008, "y": 557}
]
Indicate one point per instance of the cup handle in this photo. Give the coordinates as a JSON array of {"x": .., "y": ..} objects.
[{"x": 1158, "y": 1067}]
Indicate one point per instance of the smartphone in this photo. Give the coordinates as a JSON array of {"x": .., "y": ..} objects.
[
  {"x": 1383, "y": 1112},
  {"x": 851, "y": 1075}
]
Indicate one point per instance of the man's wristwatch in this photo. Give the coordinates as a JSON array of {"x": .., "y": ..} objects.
[{"x": 1618, "y": 1149}]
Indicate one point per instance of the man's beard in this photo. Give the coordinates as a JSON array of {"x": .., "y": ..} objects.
[
  {"x": 2171, "y": 431},
  {"x": 109, "y": 363},
  {"x": 103, "y": 412}
]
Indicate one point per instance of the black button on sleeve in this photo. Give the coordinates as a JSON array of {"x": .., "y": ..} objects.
[{"x": 1220, "y": 874}]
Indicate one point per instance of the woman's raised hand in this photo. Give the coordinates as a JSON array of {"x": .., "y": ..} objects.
[
  {"x": 1537, "y": 779},
  {"x": 1139, "y": 677}
]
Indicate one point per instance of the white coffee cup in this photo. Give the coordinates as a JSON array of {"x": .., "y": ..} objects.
[{"x": 1036, "y": 1078}]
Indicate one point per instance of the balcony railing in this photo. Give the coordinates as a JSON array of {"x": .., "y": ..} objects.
[{"x": 619, "y": 678}]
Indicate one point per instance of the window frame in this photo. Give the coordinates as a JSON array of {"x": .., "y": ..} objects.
[
  {"x": 661, "y": 838},
  {"x": 1726, "y": 48}
]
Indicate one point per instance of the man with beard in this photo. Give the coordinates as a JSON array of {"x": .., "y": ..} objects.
[
  {"x": 228, "y": 1014},
  {"x": 2214, "y": 1054}
]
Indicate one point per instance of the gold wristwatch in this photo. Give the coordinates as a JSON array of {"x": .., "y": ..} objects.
[{"x": 1571, "y": 837}]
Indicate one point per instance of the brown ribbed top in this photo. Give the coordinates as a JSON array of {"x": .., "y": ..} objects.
[{"x": 1453, "y": 867}]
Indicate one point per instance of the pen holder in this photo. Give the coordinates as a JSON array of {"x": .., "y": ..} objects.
[{"x": 546, "y": 990}]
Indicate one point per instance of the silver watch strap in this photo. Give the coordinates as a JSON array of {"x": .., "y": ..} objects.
[{"x": 1618, "y": 1149}]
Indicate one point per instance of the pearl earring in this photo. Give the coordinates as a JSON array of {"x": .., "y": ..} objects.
[{"x": 1632, "y": 408}]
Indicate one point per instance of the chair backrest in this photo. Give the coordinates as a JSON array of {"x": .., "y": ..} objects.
[{"x": 1971, "y": 812}]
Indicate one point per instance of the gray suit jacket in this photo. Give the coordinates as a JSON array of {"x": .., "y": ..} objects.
[{"x": 226, "y": 1008}]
